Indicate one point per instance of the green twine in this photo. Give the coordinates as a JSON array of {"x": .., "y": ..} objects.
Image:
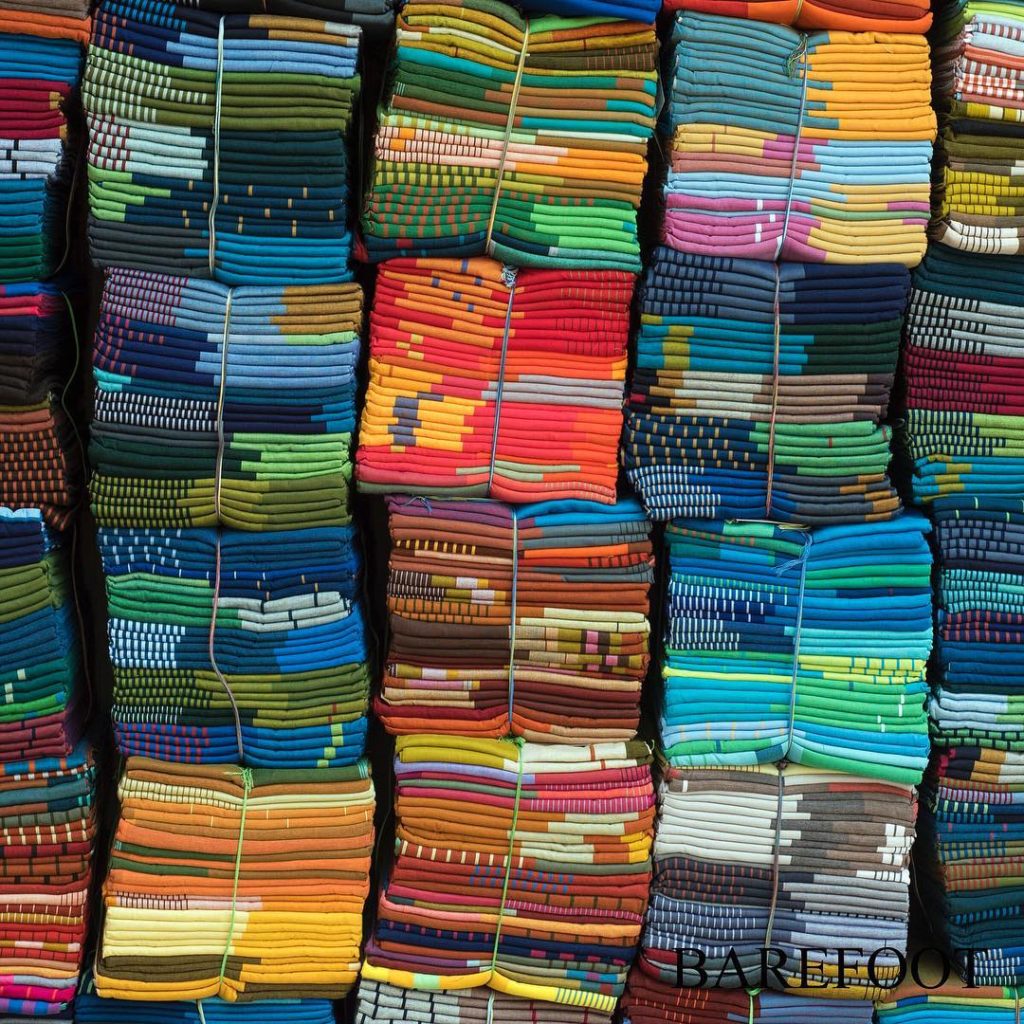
[
  {"x": 246, "y": 776},
  {"x": 752, "y": 994},
  {"x": 511, "y": 845}
]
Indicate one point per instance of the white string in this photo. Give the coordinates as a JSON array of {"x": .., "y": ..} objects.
[{"x": 218, "y": 102}]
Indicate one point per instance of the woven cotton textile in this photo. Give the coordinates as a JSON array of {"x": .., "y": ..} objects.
[
  {"x": 519, "y": 866},
  {"x": 520, "y": 139},
  {"x": 759, "y": 389},
  {"x": 218, "y": 143},
  {"x": 375, "y": 17},
  {"x": 799, "y": 857},
  {"x": 951, "y": 1004},
  {"x": 806, "y": 645},
  {"x": 848, "y": 15},
  {"x": 489, "y": 384},
  {"x": 50, "y": 19},
  {"x": 530, "y": 620},
  {"x": 223, "y": 405},
  {"x": 244, "y": 884},
  {"x": 800, "y": 147},
  {"x": 288, "y": 643},
  {"x": 47, "y": 826}
]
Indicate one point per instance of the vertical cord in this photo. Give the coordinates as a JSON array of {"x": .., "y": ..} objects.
[
  {"x": 797, "y": 58},
  {"x": 490, "y": 1007},
  {"x": 776, "y": 853},
  {"x": 752, "y": 994},
  {"x": 509, "y": 277},
  {"x": 508, "y": 860},
  {"x": 218, "y": 107},
  {"x": 513, "y": 601},
  {"x": 247, "y": 782},
  {"x": 797, "y": 634},
  {"x": 776, "y": 358}
]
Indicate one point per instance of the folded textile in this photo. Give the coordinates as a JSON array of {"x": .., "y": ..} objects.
[
  {"x": 529, "y": 620},
  {"x": 378, "y": 1003},
  {"x": 278, "y": 679},
  {"x": 759, "y": 388},
  {"x": 953, "y": 1003},
  {"x": 747, "y": 858},
  {"x": 244, "y": 884},
  {"x": 520, "y": 866},
  {"x": 44, "y": 706},
  {"x": 375, "y": 17},
  {"x": 964, "y": 371},
  {"x": 48, "y": 824},
  {"x": 216, "y": 404},
  {"x": 49, "y": 19},
  {"x": 485, "y": 383},
  {"x": 810, "y": 646},
  {"x": 848, "y": 15},
  {"x": 218, "y": 143},
  {"x": 650, "y": 1001},
  {"x": 521, "y": 139},
  {"x": 800, "y": 147}
]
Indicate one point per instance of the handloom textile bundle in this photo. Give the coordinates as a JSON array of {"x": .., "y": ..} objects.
[
  {"x": 907, "y": 16},
  {"x": 953, "y": 1003}
]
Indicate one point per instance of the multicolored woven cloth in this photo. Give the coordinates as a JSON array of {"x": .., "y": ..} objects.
[
  {"x": 522, "y": 140},
  {"x": 223, "y": 405},
  {"x": 44, "y": 705},
  {"x": 810, "y": 646},
  {"x": 651, "y": 1001},
  {"x": 951, "y": 1004},
  {"x": 375, "y": 17},
  {"x": 747, "y": 858},
  {"x": 530, "y": 620},
  {"x": 47, "y": 826},
  {"x": 964, "y": 369},
  {"x": 979, "y": 200},
  {"x": 907, "y": 16},
  {"x": 486, "y": 383},
  {"x": 218, "y": 143},
  {"x": 519, "y": 866},
  {"x": 277, "y": 677},
  {"x": 759, "y": 389},
  {"x": 800, "y": 147},
  {"x": 236, "y": 883},
  {"x": 388, "y": 1003}
]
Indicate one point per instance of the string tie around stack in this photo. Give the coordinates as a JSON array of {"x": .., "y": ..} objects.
[
  {"x": 508, "y": 277},
  {"x": 518, "y": 741},
  {"x": 217, "y": 108},
  {"x": 247, "y": 782}
]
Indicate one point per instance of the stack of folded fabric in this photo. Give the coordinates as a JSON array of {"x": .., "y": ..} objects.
[
  {"x": 375, "y": 17},
  {"x": 977, "y": 54},
  {"x": 236, "y": 883},
  {"x": 650, "y": 1001},
  {"x": 223, "y": 405},
  {"x": 43, "y": 709},
  {"x": 787, "y": 146},
  {"x": 759, "y": 388},
  {"x": 520, "y": 866},
  {"x": 218, "y": 143},
  {"x": 792, "y": 858},
  {"x": 810, "y": 646},
  {"x": 964, "y": 368},
  {"x": 952, "y": 1003},
  {"x": 485, "y": 383},
  {"x": 529, "y": 620},
  {"x": 47, "y": 826},
  {"x": 524, "y": 140},
  {"x": 850, "y": 15},
  {"x": 277, "y": 677}
]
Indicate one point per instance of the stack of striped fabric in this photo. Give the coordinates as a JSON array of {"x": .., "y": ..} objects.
[
  {"x": 807, "y": 646},
  {"x": 523, "y": 140},
  {"x": 790, "y": 857},
  {"x": 43, "y": 708},
  {"x": 487, "y": 383},
  {"x": 979, "y": 96},
  {"x": 277, "y": 676},
  {"x": 47, "y": 827},
  {"x": 218, "y": 143},
  {"x": 964, "y": 364},
  {"x": 849, "y": 15},
  {"x": 375, "y": 17},
  {"x": 234, "y": 883},
  {"x": 813, "y": 148},
  {"x": 520, "y": 866},
  {"x": 759, "y": 388},
  {"x": 952, "y": 1003},
  {"x": 530, "y": 620},
  {"x": 217, "y": 404}
]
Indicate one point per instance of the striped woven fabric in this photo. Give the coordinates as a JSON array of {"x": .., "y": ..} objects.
[
  {"x": 49, "y": 19},
  {"x": 650, "y": 1001},
  {"x": 375, "y": 17},
  {"x": 488, "y": 384},
  {"x": 964, "y": 368},
  {"x": 286, "y": 652},
  {"x": 799, "y": 645},
  {"x": 218, "y": 143},
  {"x": 519, "y": 866},
  {"x": 236, "y": 883},
  {"x": 47, "y": 825},
  {"x": 952, "y": 1004},
  {"x": 529, "y": 620},
  {"x": 522, "y": 140},
  {"x": 758, "y": 389},
  {"x": 43, "y": 707},
  {"x": 200, "y": 389},
  {"x": 979, "y": 201},
  {"x": 847, "y": 15},
  {"x": 747, "y": 858},
  {"x": 813, "y": 148},
  {"x": 379, "y": 1003}
]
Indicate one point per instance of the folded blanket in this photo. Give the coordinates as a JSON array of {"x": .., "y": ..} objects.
[
  {"x": 520, "y": 139},
  {"x": 953, "y": 1003},
  {"x": 848, "y": 15},
  {"x": 375, "y": 17}
]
